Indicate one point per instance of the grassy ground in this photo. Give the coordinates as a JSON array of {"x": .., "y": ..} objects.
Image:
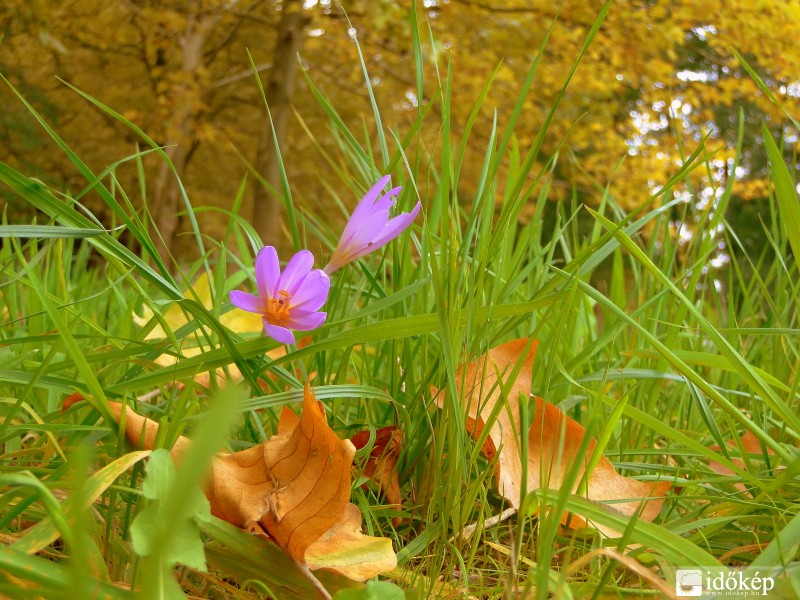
[{"x": 660, "y": 356}]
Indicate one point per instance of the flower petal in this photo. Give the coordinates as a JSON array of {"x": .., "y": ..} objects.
[
  {"x": 395, "y": 227},
  {"x": 369, "y": 229},
  {"x": 367, "y": 202},
  {"x": 359, "y": 242},
  {"x": 295, "y": 272},
  {"x": 247, "y": 302},
  {"x": 359, "y": 231},
  {"x": 306, "y": 321},
  {"x": 278, "y": 333},
  {"x": 313, "y": 293},
  {"x": 268, "y": 271},
  {"x": 363, "y": 223},
  {"x": 337, "y": 261},
  {"x": 386, "y": 201}
]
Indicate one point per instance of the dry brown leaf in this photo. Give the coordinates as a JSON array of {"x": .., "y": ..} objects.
[
  {"x": 381, "y": 466},
  {"x": 346, "y": 550},
  {"x": 553, "y": 439},
  {"x": 295, "y": 486},
  {"x": 310, "y": 469},
  {"x": 287, "y": 421},
  {"x": 240, "y": 485},
  {"x": 140, "y": 431},
  {"x": 750, "y": 444}
]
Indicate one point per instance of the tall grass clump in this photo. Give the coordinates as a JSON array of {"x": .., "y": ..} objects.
[{"x": 668, "y": 363}]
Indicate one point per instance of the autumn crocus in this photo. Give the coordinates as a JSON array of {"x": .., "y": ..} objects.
[
  {"x": 286, "y": 300},
  {"x": 369, "y": 226}
]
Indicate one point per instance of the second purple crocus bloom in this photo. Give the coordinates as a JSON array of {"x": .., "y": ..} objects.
[
  {"x": 370, "y": 227},
  {"x": 287, "y": 300}
]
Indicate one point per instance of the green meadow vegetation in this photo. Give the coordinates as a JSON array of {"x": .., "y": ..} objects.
[{"x": 684, "y": 372}]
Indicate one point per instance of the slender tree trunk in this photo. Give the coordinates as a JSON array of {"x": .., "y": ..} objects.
[
  {"x": 181, "y": 135},
  {"x": 279, "y": 90}
]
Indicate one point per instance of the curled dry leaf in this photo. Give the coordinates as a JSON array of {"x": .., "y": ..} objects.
[
  {"x": 140, "y": 431},
  {"x": 295, "y": 487},
  {"x": 751, "y": 445},
  {"x": 381, "y": 466},
  {"x": 553, "y": 438}
]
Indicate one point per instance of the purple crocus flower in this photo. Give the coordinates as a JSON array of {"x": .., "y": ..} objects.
[
  {"x": 369, "y": 226},
  {"x": 288, "y": 300}
]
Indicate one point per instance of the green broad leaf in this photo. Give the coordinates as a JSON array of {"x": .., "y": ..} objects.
[
  {"x": 143, "y": 530},
  {"x": 169, "y": 588},
  {"x": 160, "y": 472},
  {"x": 374, "y": 590},
  {"x": 185, "y": 545},
  {"x": 170, "y": 532}
]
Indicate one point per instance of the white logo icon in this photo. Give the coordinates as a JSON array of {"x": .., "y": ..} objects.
[{"x": 689, "y": 582}]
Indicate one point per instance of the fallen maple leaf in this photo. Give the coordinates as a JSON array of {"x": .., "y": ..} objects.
[
  {"x": 553, "y": 439},
  {"x": 344, "y": 549},
  {"x": 310, "y": 469},
  {"x": 295, "y": 487}
]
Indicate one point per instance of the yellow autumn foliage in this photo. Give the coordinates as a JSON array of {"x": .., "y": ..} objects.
[{"x": 658, "y": 76}]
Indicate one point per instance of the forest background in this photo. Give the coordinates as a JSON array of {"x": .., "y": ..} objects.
[
  {"x": 658, "y": 78},
  {"x": 668, "y": 334}
]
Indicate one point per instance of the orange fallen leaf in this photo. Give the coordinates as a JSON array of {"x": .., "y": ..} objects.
[
  {"x": 287, "y": 421},
  {"x": 140, "y": 431},
  {"x": 295, "y": 487},
  {"x": 71, "y": 399},
  {"x": 381, "y": 466},
  {"x": 553, "y": 439},
  {"x": 344, "y": 549},
  {"x": 310, "y": 470},
  {"x": 751, "y": 445}
]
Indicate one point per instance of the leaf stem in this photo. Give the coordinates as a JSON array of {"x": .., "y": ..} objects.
[{"x": 314, "y": 581}]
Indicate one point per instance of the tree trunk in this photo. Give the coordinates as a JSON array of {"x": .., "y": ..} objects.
[
  {"x": 279, "y": 90},
  {"x": 181, "y": 135}
]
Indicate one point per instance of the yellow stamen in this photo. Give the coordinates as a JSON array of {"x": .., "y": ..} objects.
[{"x": 278, "y": 309}]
